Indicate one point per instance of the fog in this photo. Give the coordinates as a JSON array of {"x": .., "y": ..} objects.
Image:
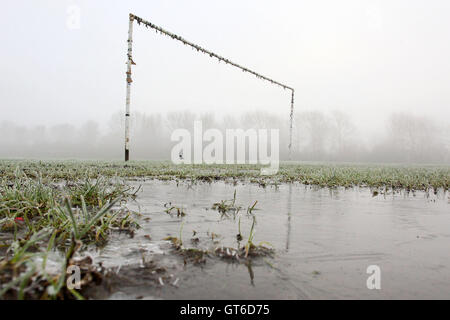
[
  {"x": 317, "y": 136},
  {"x": 371, "y": 76}
]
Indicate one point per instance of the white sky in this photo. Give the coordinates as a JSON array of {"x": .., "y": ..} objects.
[{"x": 366, "y": 58}]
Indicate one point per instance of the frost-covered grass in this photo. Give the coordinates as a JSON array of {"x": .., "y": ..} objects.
[
  {"x": 42, "y": 215},
  {"x": 408, "y": 177}
]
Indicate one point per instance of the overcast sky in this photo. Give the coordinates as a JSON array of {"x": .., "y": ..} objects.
[{"x": 366, "y": 58}]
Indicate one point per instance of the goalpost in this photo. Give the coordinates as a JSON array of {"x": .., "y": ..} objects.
[{"x": 199, "y": 49}]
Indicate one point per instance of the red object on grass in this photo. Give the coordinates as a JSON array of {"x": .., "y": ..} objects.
[{"x": 19, "y": 219}]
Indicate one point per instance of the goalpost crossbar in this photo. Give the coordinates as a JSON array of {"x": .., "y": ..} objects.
[{"x": 130, "y": 62}]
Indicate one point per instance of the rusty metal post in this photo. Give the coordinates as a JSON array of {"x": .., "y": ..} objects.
[
  {"x": 129, "y": 81},
  {"x": 291, "y": 125}
]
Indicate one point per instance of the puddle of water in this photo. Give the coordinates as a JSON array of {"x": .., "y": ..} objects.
[{"x": 324, "y": 242}]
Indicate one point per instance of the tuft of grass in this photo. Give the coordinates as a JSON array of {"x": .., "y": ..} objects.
[
  {"x": 251, "y": 249},
  {"x": 22, "y": 278},
  {"x": 39, "y": 212},
  {"x": 250, "y": 209},
  {"x": 170, "y": 209},
  {"x": 227, "y": 207}
]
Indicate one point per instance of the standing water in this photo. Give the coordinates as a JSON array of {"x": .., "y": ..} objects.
[{"x": 324, "y": 242}]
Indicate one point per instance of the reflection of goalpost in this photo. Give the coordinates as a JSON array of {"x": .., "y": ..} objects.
[{"x": 198, "y": 48}]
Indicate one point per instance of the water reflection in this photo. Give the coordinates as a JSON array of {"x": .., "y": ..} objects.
[
  {"x": 289, "y": 213},
  {"x": 324, "y": 240}
]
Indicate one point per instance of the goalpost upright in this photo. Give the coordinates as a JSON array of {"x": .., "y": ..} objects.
[
  {"x": 130, "y": 62},
  {"x": 129, "y": 80}
]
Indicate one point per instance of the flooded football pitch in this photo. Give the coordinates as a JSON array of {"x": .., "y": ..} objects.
[{"x": 323, "y": 242}]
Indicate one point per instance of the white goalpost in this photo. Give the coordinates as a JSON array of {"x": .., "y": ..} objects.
[{"x": 129, "y": 80}]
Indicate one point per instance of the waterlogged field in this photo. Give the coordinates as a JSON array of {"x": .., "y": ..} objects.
[{"x": 156, "y": 230}]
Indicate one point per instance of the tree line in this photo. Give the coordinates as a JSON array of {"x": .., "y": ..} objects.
[{"x": 317, "y": 136}]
